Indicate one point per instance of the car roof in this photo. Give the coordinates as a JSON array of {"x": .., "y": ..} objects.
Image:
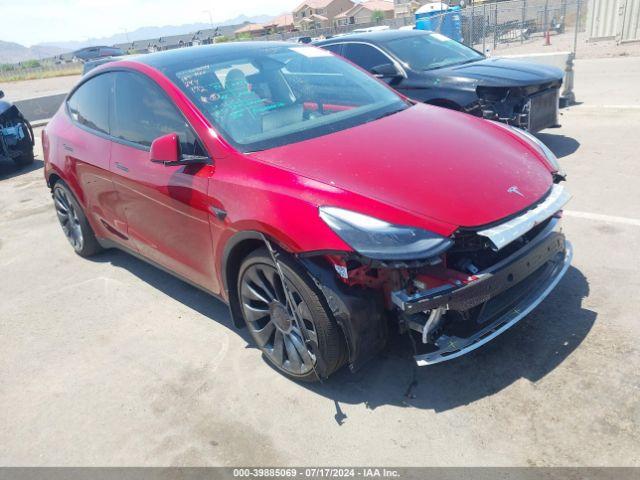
[
  {"x": 169, "y": 58},
  {"x": 373, "y": 37}
]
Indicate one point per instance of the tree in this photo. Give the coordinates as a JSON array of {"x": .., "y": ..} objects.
[{"x": 377, "y": 16}]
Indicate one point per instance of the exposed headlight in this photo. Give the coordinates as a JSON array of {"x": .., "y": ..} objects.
[
  {"x": 551, "y": 157},
  {"x": 380, "y": 240}
]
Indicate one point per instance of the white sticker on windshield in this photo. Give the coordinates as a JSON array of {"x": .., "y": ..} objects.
[
  {"x": 439, "y": 36},
  {"x": 311, "y": 52}
]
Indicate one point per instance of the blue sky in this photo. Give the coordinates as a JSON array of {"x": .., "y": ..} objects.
[{"x": 36, "y": 21}]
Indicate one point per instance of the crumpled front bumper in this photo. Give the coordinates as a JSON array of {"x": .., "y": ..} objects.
[{"x": 508, "y": 292}]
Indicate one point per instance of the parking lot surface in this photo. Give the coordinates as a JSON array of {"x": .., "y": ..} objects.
[
  {"x": 22, "y": 90},
  {"x": 110, "y": 361}
]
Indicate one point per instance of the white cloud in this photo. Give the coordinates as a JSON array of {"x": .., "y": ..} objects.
[{"x": 36, "y": 21}]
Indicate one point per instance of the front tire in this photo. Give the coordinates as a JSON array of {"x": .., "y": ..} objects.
[
  {"x": 73, "y": 221},
  {"x": 271, "y": 324}
]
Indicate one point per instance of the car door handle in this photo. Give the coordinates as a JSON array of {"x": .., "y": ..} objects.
[
  {"x": 122, "y": 167},
  {"x": 68, "y": 148}
]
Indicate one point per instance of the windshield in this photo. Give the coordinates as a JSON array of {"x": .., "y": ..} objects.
[
  {"x": 430, "y": 51},
  {"x": 268, "y": 97}
]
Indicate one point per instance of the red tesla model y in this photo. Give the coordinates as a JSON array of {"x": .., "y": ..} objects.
[{"x": 319, "y": 204}]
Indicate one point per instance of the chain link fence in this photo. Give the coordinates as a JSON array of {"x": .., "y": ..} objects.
[
  {"x": 502, "y": 25},
  {"x": 490, "y": 25}
]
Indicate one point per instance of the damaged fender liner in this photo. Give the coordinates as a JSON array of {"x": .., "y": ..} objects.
[
  {"x": 360, "y": 315},
  {"x": 488, "y": 285}
]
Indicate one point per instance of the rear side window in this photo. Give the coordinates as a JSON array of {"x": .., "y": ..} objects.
[
  {"x": 89, "y": 104},
  {"x": 365, "y": 56},
  {"x": 141, "y": 113},
  {"x": 335, "y": 48}
]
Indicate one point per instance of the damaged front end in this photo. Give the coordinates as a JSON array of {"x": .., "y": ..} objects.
[
  {"x": 453, "y": 302},
  {"x": 16, "y": 135},
  {"x": 531, "y": 108}
]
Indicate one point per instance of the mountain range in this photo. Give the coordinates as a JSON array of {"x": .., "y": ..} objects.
[{"x": 14, "y": 52}]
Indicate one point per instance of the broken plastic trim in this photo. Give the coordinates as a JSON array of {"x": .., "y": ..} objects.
[
  {"x": 503, "y": 234},
  {"x": 456, "y": 347}
]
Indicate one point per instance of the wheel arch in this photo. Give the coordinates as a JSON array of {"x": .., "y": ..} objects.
[
  {"x": 237, "y": 248},
  {"x": 52, "y": 179}
]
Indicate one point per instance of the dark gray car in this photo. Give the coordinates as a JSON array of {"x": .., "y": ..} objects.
[
  {"x": 431, "y": 68},
  {"x": 16, "y": 134}
]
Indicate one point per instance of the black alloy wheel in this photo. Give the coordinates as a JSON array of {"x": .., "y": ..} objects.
[{"x": 302, "y": 348}]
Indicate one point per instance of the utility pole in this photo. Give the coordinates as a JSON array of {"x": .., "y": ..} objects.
[
  {"x": 575, "y": 33},
  {"x": 210, "y": 17}
]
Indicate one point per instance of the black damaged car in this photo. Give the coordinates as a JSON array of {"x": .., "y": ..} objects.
[
  {"x": 16, "y": 134},
  {"x": 432, "y": 68}
]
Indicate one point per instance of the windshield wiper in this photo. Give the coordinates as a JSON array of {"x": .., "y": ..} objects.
[{"x": 455, "y": 64}]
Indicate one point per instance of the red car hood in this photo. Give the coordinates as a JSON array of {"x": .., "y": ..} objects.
[{"x": 427, "y": 160}]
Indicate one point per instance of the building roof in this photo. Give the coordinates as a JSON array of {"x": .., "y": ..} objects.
[
  {"x": 251, "y": 27},
  {"x": 314, "y": 4},
  {"x": 283, "y": 20},
  {"x": 371, "y": 5},
  {"x": 313, "y": 17},
  {"x": 384, "y": 5}
]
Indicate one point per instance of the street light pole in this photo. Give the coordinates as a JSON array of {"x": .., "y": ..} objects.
[{"x": 210, "y": 17}]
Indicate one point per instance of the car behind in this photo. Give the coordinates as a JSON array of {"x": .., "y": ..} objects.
[{"x": 435, "y": 69}]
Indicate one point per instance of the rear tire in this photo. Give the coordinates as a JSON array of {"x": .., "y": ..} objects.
[
  {"x": 73, "y": 221},
  {"x": 271, "y": 325}
]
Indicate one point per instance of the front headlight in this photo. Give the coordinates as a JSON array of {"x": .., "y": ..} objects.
[
  {"x": 380, "y": 240},
  {"x": 551, "y": 157}
]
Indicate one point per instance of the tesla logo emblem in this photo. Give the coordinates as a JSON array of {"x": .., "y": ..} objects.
[{"x": 515, "y": 190}]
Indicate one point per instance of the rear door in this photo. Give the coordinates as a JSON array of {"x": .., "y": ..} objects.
[
  {"x": 166, "y": 206},
  {"x": 86, "y": 148}
]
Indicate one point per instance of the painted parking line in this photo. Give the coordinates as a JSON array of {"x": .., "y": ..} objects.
[
  {"x": 587, "y": 106},
  {"x": 603, "y": 218}
]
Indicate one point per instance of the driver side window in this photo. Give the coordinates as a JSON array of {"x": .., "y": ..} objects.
[
  {"x": 365, "y": 56},
  {"x": 142, "y": 113}
]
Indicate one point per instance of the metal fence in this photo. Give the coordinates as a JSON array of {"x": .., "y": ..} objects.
[
  {"x": 500, "y": 25},
  {"x": 491, "y": 25}
]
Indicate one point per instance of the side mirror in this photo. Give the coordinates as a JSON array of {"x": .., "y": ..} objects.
[
  {"x": 386, "y": 70},
  {"x": 166, "y": 150},
  {"x": 1, "y": 94}
]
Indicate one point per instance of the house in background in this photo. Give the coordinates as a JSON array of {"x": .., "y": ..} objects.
[
  {"x": 253, "y": 30},
  {"x": 317, "y": 14},
  {"x": 366, "y": 12},
  {"x": 407, "y": 8},
  {"x": 281, "y": 24}
]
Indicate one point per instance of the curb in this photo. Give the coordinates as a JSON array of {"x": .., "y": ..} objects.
[{"x": 39, "y": 123}]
